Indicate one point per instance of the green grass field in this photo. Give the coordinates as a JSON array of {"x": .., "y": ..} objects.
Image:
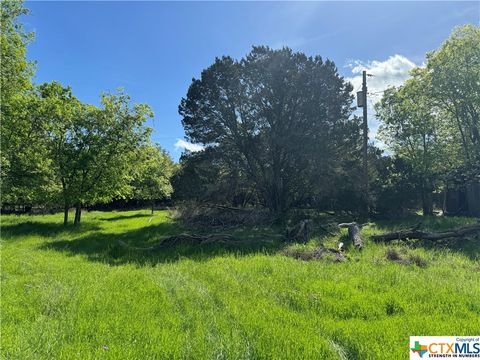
[{"x": 74, "y": 293}]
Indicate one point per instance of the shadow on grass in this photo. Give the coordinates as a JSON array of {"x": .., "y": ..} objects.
[
  {"x": 125, "y": 217},
  {"x": 88, "y": 240},
  {"x": 37, "y": 228},
  {"x": 468, "y": 246},
  {"x": 105, "y": 247}
]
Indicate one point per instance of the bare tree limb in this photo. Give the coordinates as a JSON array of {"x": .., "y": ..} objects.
[{"x": 423, "y": 235}]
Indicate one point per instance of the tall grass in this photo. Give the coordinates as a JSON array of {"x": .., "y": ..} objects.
[{"x": 69, "y": 293}]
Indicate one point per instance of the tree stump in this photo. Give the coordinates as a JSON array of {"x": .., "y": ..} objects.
[{"x": 353, "y": 233}]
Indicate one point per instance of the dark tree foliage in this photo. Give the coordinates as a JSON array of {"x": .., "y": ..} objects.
[
  {"x": 276, "y": 122},
  {"x": 394, "y": 189},
  {"x": 202, "y": 178}
]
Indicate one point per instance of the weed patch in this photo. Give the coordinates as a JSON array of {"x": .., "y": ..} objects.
[{"x": 395, "y": 256}]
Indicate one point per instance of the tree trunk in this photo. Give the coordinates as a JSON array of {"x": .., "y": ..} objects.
[
  {"x": 65, "y": 202},
  {"x": 153, "y": 206},
  {"x": 462, "y": 133},
  {"x": 78, "y": 214},
  {"x": 65, "y": 215},
  {"x": 427, "y": 202}
]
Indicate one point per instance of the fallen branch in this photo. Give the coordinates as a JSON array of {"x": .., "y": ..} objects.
[
  {"x": 423, "y": 235},
  {"x": 330, "y": 228},
  {"x": 193, "y": 239},
  {"x": 353, "y": 233},
  {"x": 224, "y": 207}
]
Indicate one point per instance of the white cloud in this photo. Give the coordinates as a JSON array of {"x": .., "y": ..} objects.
[
  {"x": 391, "y": 72},
  {"x": 181, "y": 144}
]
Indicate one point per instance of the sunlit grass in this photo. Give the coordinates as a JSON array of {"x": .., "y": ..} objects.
[{"x": 74, "y": 293}]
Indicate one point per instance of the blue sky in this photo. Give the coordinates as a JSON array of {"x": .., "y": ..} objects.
[{"x": 154, "y": 49}]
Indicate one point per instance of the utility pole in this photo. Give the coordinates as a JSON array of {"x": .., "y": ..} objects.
[
  {"x": 362, "y": 102},
  {"x": 365, "y": 133}
]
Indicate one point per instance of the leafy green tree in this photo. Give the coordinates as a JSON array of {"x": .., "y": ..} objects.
[
  {"x": 153, "y": 170},
  {"x": 454, "y": 72},
  {"x": 61, "y": 114},
  {"x": 54, "y": 148},
  {"x": 280, "y": 118},
  {"x": 413, "y": 131},
  {"x": 24, "y": 167},
  {"x": 432, "y": 122},
  {"x": 92, "y": 149},
  {"x": 16, "y": 72}
]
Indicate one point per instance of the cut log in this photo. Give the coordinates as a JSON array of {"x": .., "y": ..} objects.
[
  {"x": 423, "y": 235},
  {"x": 353, "y": 233}
]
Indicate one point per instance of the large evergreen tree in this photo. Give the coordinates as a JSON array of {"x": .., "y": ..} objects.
[{"x": 279, "y": 117}]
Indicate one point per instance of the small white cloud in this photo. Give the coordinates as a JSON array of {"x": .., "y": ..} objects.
[
  {"x": 391, "y": 72},
  {"x": 181, "y": 144}
]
